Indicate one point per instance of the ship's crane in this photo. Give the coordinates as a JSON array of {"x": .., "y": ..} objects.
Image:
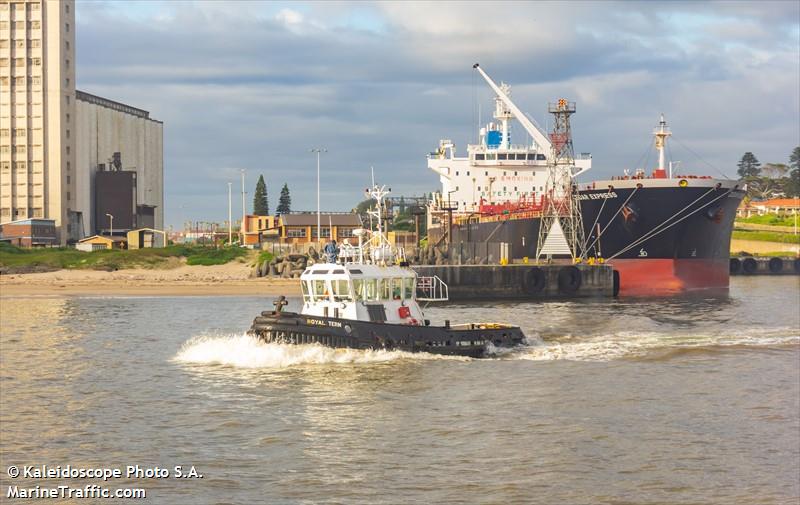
[{"x": 539, "y": 138}]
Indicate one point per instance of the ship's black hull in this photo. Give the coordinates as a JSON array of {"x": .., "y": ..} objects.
[
  {"x": 293, "y": 328},
  {"x": 683, "y": 235}
]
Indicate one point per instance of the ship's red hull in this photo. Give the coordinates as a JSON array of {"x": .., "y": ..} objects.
[{"x": 653, "y": 276}]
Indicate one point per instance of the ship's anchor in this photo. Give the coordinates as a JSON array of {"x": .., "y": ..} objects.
[{"x": 279, "y": 303}]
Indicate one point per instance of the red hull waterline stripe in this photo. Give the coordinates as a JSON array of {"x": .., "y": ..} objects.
[{"x": 665, "y": 276}]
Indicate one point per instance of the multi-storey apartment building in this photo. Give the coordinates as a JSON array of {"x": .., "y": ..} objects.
[{"x": 37, "y": 113}]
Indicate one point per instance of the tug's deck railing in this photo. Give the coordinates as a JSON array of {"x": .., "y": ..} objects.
[{"x": 432, "y": 289}]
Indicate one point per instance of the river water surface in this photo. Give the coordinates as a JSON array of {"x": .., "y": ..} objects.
[{"x": 684, "y": 400}]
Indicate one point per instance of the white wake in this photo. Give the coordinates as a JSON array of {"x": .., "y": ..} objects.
[
  {"x": 245, "y": 351},
  {"x": 638, "y": 344}
]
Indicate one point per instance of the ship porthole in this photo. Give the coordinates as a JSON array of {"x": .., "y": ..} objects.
[{"x": 348, "y": 329}]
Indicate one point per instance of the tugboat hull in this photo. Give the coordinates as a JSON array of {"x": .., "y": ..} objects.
[{"x": 471, "y": 340}]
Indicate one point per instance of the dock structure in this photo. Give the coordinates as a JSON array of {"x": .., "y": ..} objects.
[
  {"x": 520, "y": 281},
  {"x": 753, "y": 265}
]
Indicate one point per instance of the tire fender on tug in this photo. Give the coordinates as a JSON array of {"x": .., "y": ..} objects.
[
  {"x": 735, "y": 265},
  {"x": 749, "y": 265},
  {"x": 569, "y": 279}
]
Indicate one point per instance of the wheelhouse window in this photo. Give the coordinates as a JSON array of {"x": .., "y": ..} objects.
[
  {"x": 358, "y": 289},
  {"x": 409, "y": 288},
  {"x": 386, "y": 289},
  {"x": 371, "y": 290},
  {"x": 306, "y": 291},
  {"x": 320, "y": 293},
  {"x": 341, "y": 290},
  {"x": 397, "y": 288}
]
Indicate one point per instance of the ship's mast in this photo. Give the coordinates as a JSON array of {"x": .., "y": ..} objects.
[
  {"x": 661, "y": 133},
  {"x": 561, "y": 227}
]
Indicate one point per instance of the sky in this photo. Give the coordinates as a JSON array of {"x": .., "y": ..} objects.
[{"x": 255, "y": 85}]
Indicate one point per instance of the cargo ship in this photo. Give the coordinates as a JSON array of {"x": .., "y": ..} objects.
[{"x": 662, "y": 232}]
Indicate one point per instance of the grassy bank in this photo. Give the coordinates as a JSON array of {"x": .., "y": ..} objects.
[
  {"x": 16, "y": 259},
  {"x": 766, "y": 236},
  {"x": 769, "y": 219}
]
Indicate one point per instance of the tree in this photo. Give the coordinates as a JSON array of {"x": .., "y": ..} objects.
[
  {"x": 260, "y": 202},
  {"x": 749, "y": 166},
  {"x": 284, "y": 202},
  {"x": 793, "y": 184},
  {"x": 764, "y": 188},
  {"x": 794, "y": 158},
  {"x": 775, "y": 170}
]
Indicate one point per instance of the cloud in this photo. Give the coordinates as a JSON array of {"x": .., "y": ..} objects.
[{"x": 255, "y": 85}]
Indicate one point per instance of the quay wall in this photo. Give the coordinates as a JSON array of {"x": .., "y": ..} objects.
[
  {"x": 481, "y": 282},
  {"x": 749, "y": 265}
]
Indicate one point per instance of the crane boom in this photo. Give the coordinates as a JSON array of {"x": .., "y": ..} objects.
[{"x": 541, "y": 140}]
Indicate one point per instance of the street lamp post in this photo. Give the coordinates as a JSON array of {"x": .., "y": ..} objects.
[
  {"x": 111, "y": 225},
  {"x": 318, "y": 150},
  {"x": 230, "y": 216},
  {"x": 244, "y": 209}
]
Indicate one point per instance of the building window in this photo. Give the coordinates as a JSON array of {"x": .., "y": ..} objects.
[
  {"x": 19, "y": 149},
  {"x": 4, "y": 166},
  {"x": 67, "y": 63},
  {"x": 36, "y": 43},
  {"x": 67, "y": 117},
  {"x": 4, "y": 132},
  {"x": 67, "y": 149},
  {"x": 69, "y": 196},
  {"x": 296, "y": 233},
  {"x": 3, "y": 43},
  {"x": 20, "y": 132},
  {"x": 5, "y": 212},
  {"x": 67, "y": 99},
  {"x": 3, "y": 25},
  {"x": 36, "y": 61},
  {"x": 19, "y": 25},
  {"x": 68, "y": 179},
  {"x": 4, "y": 149},
  {"x": 67, "y": 82},
  {"x": 3, "y": 62},
  {"x": 4, "y": 80},
  {"x": 67, "y": 8},
  {"x": 67, "y": 24},
  {"x": 68, "y": 166},
  {"x": 19, "y": 81},
  {"x": 35, "y": 25},
  {"x": 19, "y": 62},
  {"x": 34, "y": 7},
  {"x": 19, "y": 165},
  {"x": 67, "y": 43},
  {"x": 37, "y": 80},
  {"x": 67, "y": 133}
]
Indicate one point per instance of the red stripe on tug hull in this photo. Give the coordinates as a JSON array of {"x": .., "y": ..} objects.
[{"x": 652, "y": 276}]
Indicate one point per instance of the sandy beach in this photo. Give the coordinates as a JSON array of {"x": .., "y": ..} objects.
[{"x": 219, "y": 280}]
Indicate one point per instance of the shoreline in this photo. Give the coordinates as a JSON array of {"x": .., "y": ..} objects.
[{"x": 218, "y": 280}]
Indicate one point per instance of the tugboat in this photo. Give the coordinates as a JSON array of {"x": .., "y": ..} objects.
[{"x": 367, "y": 298}]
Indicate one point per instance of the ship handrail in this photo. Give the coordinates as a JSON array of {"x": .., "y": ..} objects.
[{"x": 433, "y": 289}]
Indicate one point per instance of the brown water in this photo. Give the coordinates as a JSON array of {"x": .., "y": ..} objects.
[{"x": 686, "y": 400}]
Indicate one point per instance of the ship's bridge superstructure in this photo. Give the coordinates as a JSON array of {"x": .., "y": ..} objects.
[{"x": 495, "y": 171}]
